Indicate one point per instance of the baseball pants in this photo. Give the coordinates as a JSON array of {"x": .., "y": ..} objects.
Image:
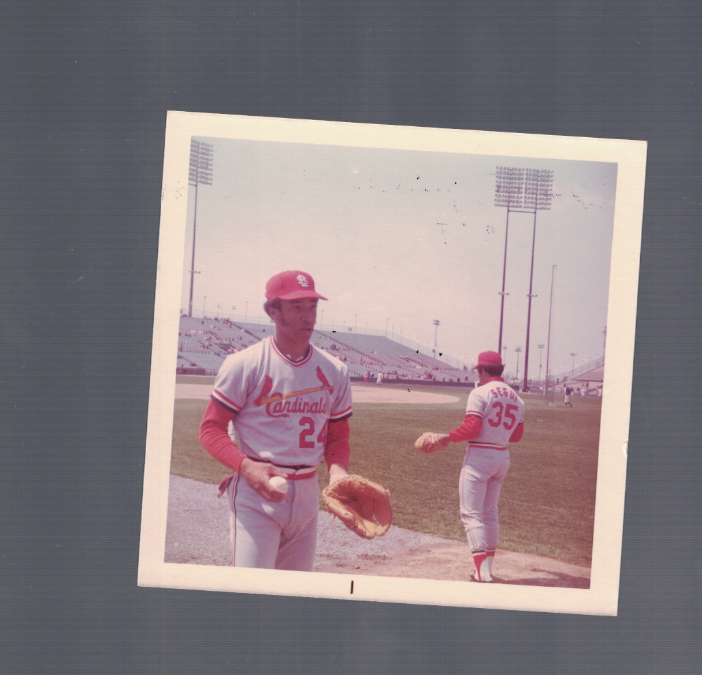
[
  {"x": 482, "y": 475},
  {"x": 279, "y": 536}
]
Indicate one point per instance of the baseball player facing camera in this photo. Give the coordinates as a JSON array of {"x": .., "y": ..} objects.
[
  {"x": 494, "y": 417},
  {"x": 288, "y": 403}
]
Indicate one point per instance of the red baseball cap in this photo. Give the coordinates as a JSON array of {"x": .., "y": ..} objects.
[
  {"x": 488, "y": 359},
  {"x": 291, "y": 285}
]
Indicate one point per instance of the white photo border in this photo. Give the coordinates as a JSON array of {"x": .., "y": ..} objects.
[{"x": 602, "y": 596}]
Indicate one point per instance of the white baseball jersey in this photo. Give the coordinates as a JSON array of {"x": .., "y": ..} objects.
[
  {"x": 283, "y": 408},
  {"x": 500, "y": 410}
]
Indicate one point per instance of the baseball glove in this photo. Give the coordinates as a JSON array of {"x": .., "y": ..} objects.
[
  {"x": 360, "y": 504},
  {"x": 429, "y": 442}
]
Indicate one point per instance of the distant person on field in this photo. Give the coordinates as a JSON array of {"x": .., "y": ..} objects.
[
  {"x": 567, "y": 395},
  {"x": 380, "y": 378}
]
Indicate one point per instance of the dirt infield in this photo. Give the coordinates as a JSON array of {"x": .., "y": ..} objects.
[
  {"x": 198, "y": 533},
  {"x": 360, "y": 394}
]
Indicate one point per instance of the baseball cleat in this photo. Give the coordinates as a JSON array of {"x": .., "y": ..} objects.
[{"x": 479, "y": 581}]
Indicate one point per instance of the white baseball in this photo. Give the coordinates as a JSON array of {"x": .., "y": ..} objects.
[{"x": 279, "y": 483}]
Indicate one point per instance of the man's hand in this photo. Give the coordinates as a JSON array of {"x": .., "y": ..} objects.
[
  {"x": 337, "y": 472},
  {"x": 258, "y": 475},
  {"x": 430, "y": 441}
]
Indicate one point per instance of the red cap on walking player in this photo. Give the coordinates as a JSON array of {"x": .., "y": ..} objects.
[
  {"x": 291, "y": 285},
  {"x": 488, "y": 359}
]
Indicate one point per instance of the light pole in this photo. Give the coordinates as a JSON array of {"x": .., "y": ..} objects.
[
  {"x": 548, "y": 342},
  {"x": 386, "y": 326},
  {"x": 504, "y": 358},
  {"x": 572, "y": 369},
  {"x": 519, "y": 351},
  {"x": 437, "y": 323},
  {"x": 538, "y": 186},
  {"x": 541, "y": 352},
  {"x": 508, "y": 192},
  {"x": 204, "y": 305},
  {"x": 200, "y": 173}
]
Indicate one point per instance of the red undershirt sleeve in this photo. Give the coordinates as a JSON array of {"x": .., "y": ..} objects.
[
  {"x": 517, "y": 433},
  {"x": 337, "y": 449},
  {"x": 214, "y": 436},
  {"x": 468, "y": 430}
]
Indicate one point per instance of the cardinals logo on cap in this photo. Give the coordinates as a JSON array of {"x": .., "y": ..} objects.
[{"x": 291, "y": 285}]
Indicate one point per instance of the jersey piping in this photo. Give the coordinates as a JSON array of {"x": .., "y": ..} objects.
[
  {"x": 295, "y": 364},
  {"x": 225, "y": 402}
]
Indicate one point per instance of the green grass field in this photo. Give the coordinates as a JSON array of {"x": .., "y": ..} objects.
[{"x": 548, "y": 499}]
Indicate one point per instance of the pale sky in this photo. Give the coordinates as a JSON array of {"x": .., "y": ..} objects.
[{"x": 407, "y": 237}]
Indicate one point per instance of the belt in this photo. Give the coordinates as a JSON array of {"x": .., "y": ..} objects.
[
  {"x": 298, "y": 474},
  {"x": 487, "y": 447},
  {"x": 291, "y": 473}
]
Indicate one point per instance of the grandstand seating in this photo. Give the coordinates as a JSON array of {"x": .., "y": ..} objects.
[{"x": 205, "y": 343}]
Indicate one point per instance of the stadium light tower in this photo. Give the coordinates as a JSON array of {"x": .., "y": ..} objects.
[
  {"x": 200, "y": 174},
  {"x": 509, "y": 189},
  {"x": 548, "y": 342},
  {"x": 541, "y": 353},
  {"x": 572, "y": 369},
  {"x": 538, "y": 188}
]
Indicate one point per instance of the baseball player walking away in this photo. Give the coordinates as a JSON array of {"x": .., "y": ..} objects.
[
  {"x": 379, "y": 379},
  {"x": 494, "y": 417},
  {"x": 566, "y": 396},
  {"x": 288, "y": 404}
]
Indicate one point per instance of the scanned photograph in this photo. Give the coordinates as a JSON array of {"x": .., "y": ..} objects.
[{"x": 389, "y": 366}]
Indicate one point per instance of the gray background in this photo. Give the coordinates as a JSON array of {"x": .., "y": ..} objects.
[{"x": 85, "y": 90}]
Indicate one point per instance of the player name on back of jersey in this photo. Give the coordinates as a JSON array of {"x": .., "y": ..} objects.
[{"x": 506, "y": 392}]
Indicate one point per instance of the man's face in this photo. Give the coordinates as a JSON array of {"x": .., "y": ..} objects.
[{"x": 296, "y": 319}]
